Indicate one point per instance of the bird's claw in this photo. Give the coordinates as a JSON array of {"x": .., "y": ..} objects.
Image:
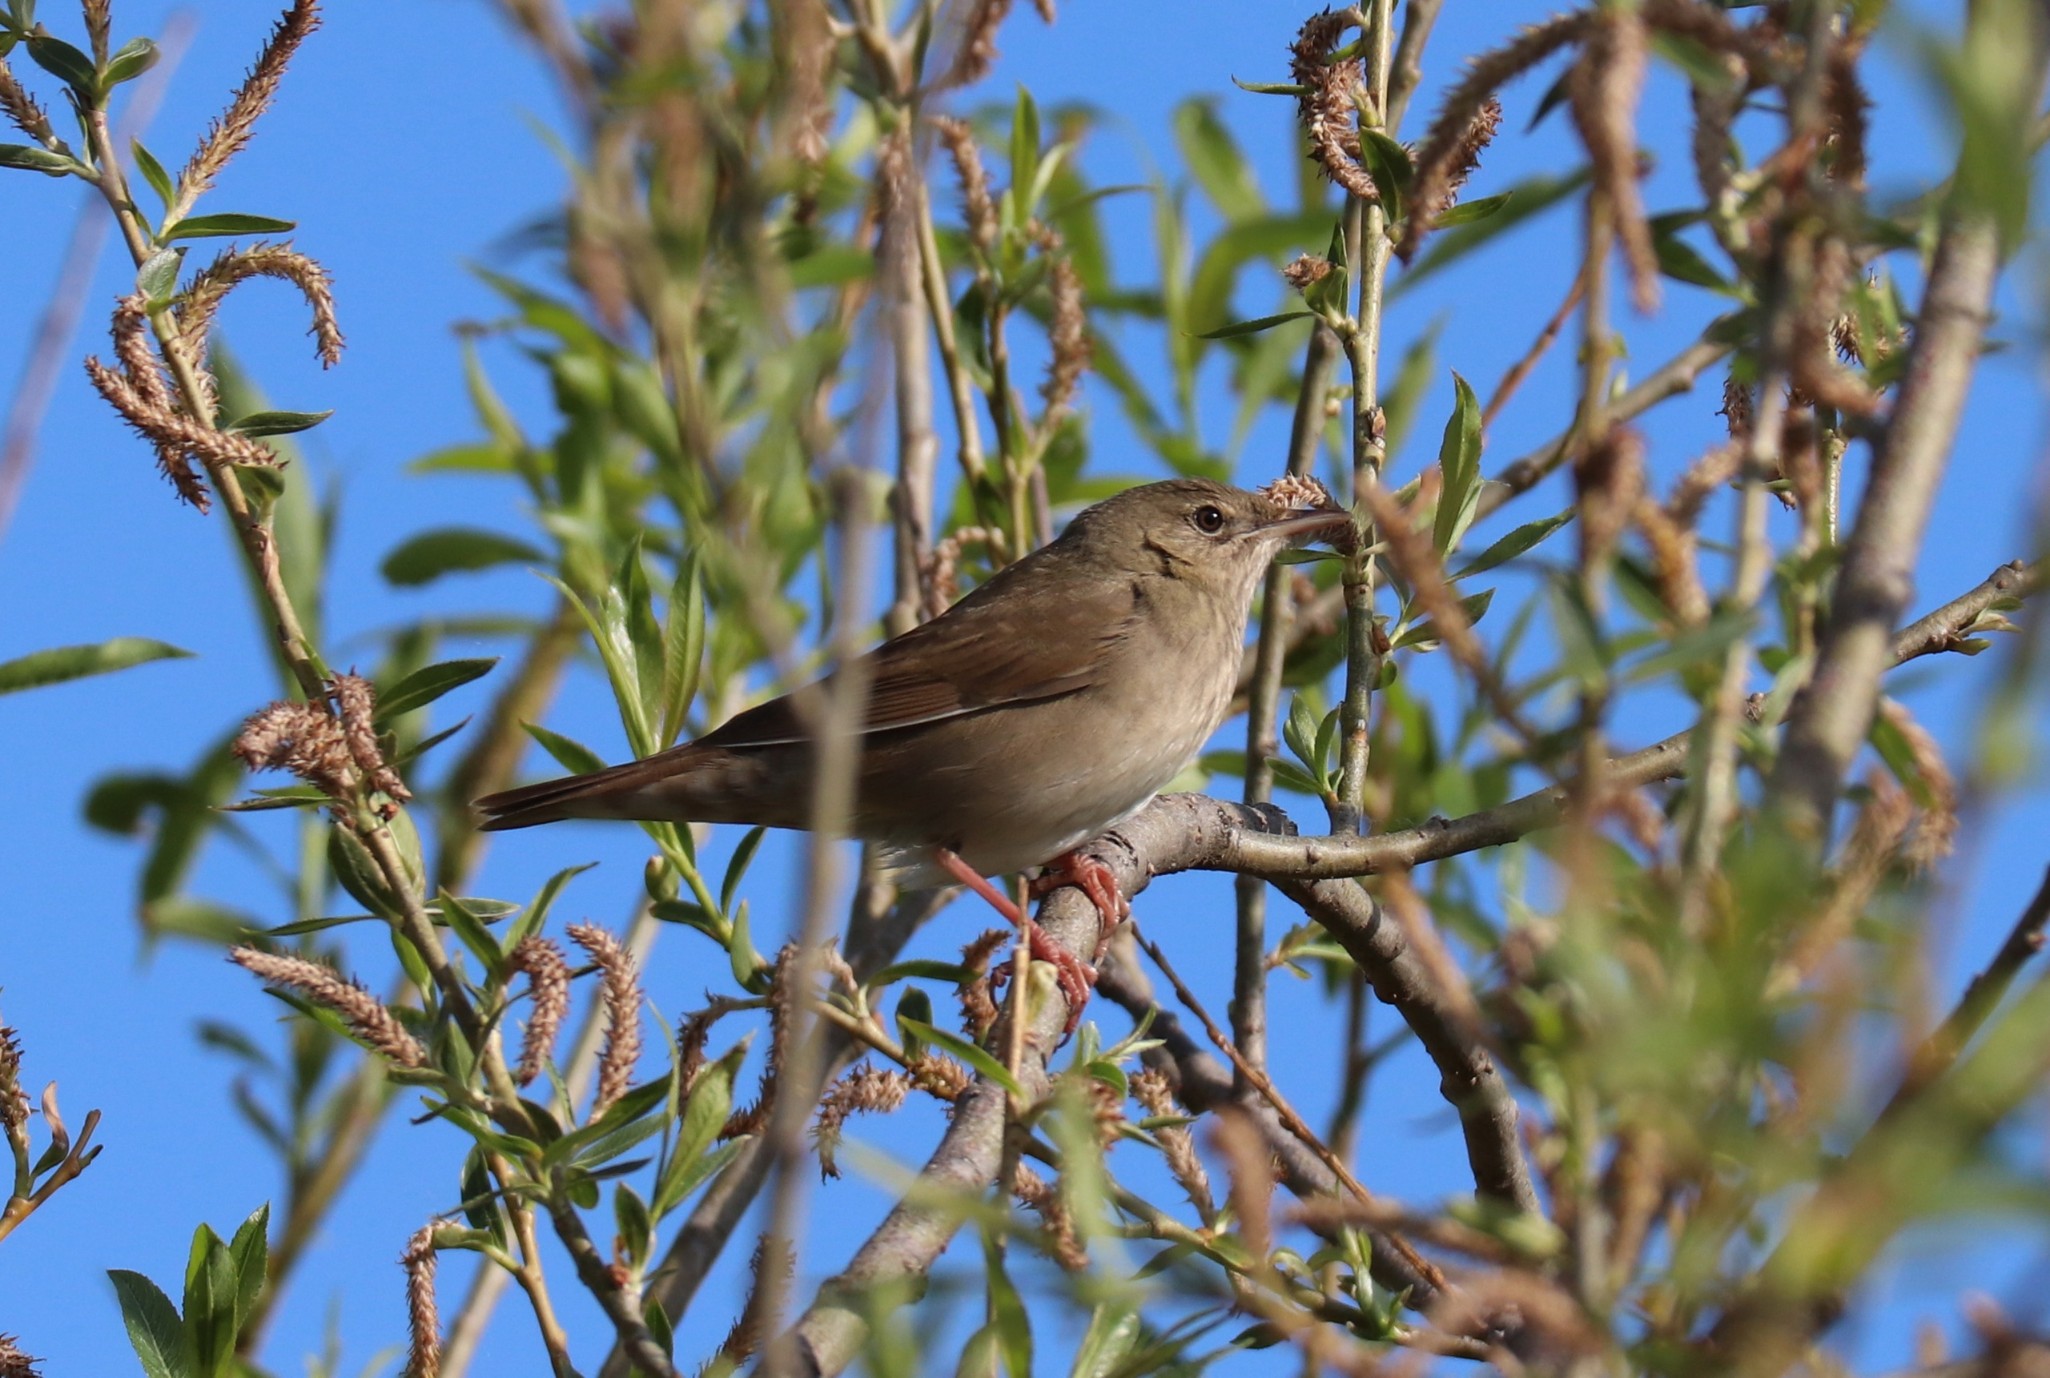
[
  {"x": 1093, "y": 878},
  {"x": 1074, "y": 976}
]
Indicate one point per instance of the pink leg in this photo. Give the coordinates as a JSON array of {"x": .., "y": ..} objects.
[{"x": 1074, "y": 976}]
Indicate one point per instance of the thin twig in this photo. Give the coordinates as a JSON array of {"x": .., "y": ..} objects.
[
  {"x": 1249, "y": 964},
  {"x": 1294, "y": 1123},
  {"x": 51, "y": 343}
]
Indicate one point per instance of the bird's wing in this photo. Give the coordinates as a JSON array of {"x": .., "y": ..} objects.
[{"x": 975, "y": 656}]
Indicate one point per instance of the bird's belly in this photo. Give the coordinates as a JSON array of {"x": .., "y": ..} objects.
[{"x": 1016, "y": 787}]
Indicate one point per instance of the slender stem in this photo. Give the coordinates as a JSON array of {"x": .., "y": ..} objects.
[
  {"x": 1715, "y": 752},
  {"x": 917, "y": 445},
  {"x": 835, "y": 766},
  {"x": 473, "y": 1316},
  {"x": 1249, "y": 971},
  {"x": 940, "y": 307},
  {"x": 1367, "y": 256},
  {"x": 251, "y": 529},
  {"x": 530, "y": 1277}
]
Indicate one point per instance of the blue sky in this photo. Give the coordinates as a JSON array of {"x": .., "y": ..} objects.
[{"x": 405, "y": 146}]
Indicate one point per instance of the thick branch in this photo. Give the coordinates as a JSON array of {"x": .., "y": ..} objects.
[
  {"x": 1468, "y": 1077},
  {"x": 1830, "y": 719}
]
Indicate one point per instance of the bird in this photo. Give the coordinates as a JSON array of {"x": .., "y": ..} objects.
[{"x": 1047, "y": 706}]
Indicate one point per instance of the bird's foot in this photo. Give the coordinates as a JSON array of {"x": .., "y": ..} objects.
[
  {"x": 1074, "y": 976},
  {"x": 1093, "y": 878}
]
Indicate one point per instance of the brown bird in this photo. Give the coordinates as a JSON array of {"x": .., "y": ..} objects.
[{"x": 1044, "y": 708}]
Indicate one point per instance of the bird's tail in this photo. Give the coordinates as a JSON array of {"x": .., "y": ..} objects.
[{"x": 599, "y": 794}]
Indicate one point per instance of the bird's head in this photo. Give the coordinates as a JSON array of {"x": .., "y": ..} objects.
[{"x": 1199, "y": 533}]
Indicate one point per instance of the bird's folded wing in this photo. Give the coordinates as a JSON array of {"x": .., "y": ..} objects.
[{"x": 980, "y": 655}]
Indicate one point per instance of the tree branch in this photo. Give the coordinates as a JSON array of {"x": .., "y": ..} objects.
[{"x": 1834, "y": 712}]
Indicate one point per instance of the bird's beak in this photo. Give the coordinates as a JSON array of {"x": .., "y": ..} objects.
[{"x": 1299, "y": 526}]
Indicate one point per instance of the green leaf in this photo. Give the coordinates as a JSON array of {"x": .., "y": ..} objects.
[
  {"x": 250, "y": 1250},
  {"x": 1475, "y": 606},
  {"x": 1526, "y": 199},
  {"x": 1300, "y": 731},
  {"x": 152, "y": 171},
  {"x": 1459, "y": 459},
  {"x": 423, "y": 558},
  {"x": 920, "y": 969},
  {"x": 429, "y": 683},
  {"x": 705, "y": 1111},
  {"x": 469, "y": 927},
  {"x": 1709, "y": 641},
  {"x": 1682, "y": 262},
  {"x": 961, "y": 1048},
  {"x": 1289, "y": 775},
  {"x": 484, "y": 457},
  {"x": 187, "y": 917},
  {"x": 1702, "y": 65},
  {"x": 1472, "y": 212},
  {"x": 572, "y": 755},
  {"x": 536, "y": 913},
  {"x": 262, "y": 484},
  {"x": 1215, "y": 160},
  {"x": 737, "y": 868},
  {"x": 157, "y": 278},
  {"x": 1024, "y": 149},
  {"x": 153, "y": 1326},
  {"x": 683, "y": 651},
  {"x": 631, "y": 622},
  {"x": 1113, "y": 1333},
  {"x": 1254, "y": 327},
  {"x": 210, "y": 1291},
  {"x": 831, "y": 264},
  {"x": 131, "y": 60},
  {"x": 1271, "y": 88},
  {"x": 1523, "y": 538},
  {"x": 1389, "y": 164},
  {"x": 62, "y": 663},
  {"x": 36, "y": 159},
  {"x": 278, "y": 422},
  {"x": 68, "y": 65},
  {"x": 1009, "y": 1322},
  {"x": 225, "y": 224},
  {"x": 636, "y": 1227}
]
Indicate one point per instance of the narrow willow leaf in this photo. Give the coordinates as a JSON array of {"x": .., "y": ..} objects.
[
  {"x": 1459, "y": 459},
  {"x": 427, "y": 556},
  {"x": 1523, "y": 538},
  {"x": 956, "y": 1046},
  {"x": 572, "y": 755},
  {"x": 225, "y": 224},
  {"x": 429, "y": 683},
  {"x": 152, "y": 170},
  {"x": 1253, "y": 327},
  {"x": 34, "y": 159},
  {"x": 278, "y": 422},
  {"x": 62, "y": 663}
]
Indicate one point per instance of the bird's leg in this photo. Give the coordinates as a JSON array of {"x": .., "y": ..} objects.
[
  {"x": 1075, "y": 976},
  {"x": 1093, "y": 878}
]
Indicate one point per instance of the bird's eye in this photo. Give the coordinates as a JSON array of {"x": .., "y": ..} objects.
[{"x": 1208, "y": 520}]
